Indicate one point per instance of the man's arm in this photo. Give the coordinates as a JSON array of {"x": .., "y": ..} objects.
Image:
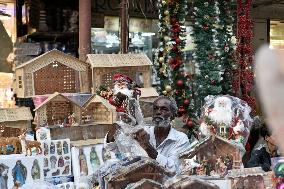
[{"x": 258, "y": 159}]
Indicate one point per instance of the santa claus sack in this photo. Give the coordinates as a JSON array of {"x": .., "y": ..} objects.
[{"x": 226, "y": 116}]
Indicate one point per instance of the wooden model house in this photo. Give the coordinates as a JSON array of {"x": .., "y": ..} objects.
[
  {"x": 104, "y": 66},
  {"x": 247, "y": 178},
  {"x": 184, "y": 181},
  {"x": 134, "y": 172},
  {"x": 98, "y": 111},
  {"x": 57, "y": 109},
  {"x": 145, "y": 184},
  {"x": 216, "y": 156},
  {"x": 51, "y": 72},
  {"x": 13, "y": 120},
  {"x": 148, "y": 95}
]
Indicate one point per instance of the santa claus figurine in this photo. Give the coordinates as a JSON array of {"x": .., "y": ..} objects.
[{"x": 125, "y": 96}]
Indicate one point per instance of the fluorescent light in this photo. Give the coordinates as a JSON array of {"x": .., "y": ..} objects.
[{"x": 147, "y": 34}]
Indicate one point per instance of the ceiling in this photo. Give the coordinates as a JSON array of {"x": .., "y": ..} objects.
[{"x": 261, "y": 3}]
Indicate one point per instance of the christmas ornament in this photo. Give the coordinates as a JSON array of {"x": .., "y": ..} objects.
[
  {"x": 168, "y": 88},
  {"x": 180, "y": 83}
]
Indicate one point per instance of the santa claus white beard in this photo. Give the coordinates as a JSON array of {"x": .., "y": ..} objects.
[
  {"x": 124, "y": 91},
  {"x": 221, "y": 115}
]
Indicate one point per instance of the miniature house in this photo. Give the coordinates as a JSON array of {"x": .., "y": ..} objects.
[
  {"x": 51, "y": 72},
  {"x": 148, "y": 96},
  {"x": 56, "y": 110},
  {"x": 247, "y": 178},
  {"x": 98, "y": 111},
  {"x": 134, "y": 172},
  {"x": 215, "y": 150},
  {"x": 184, "y": 181},
  {"x": 104, "y": 66},
  {"x": 12, "y": 120}
]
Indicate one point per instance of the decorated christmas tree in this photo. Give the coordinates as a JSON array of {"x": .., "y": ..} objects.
[
  {"x": 225, "y": 47},
  {"x": 169, "y": 63},
  {"x": 207, "y": 51}
]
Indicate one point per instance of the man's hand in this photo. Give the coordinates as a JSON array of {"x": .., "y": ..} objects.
[
  {"x": 120, "y": 96},
  {"x": 144, "y": 140},
  {"x": 111, "y": 132}
]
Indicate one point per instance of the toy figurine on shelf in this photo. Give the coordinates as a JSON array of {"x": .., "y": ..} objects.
[
  {"x": 83, "y": 163},
  {"x": 29, "y": 145},
  {"x": 19, "y": 173},
  {"x": 227, "y": 117},
  {"x": 124, "y": 98}
]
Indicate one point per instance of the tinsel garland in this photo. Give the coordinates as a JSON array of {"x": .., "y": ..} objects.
[
  {"x": 174, "y": 81},
  {"x": 161, "y": 56},
  {"x": 206, "y": 55},
  {"x": 182, "y": 92},
  {"x": 224, "y": 35},
  {"x": 243, "y": 75}
]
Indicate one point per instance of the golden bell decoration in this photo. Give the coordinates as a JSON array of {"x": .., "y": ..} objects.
[
  {"x": 161, "y": 59},
  {"x": 168, "y": 88}
]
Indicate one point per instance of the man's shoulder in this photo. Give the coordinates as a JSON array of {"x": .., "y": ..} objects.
[{"x": 180, "y": 135}]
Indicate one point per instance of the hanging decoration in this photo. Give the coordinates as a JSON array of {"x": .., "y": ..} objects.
[
  {"x": 225, "y": 46},
  {"x": 207, "y": 51},
  {"x": 243, "y": 75},
  {"x": 169, "y": 63},
  {"x": 161, "y": 55}
]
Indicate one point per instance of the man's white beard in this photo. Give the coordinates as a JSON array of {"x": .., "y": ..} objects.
[
  {"x": 124, "y": 91},
  {"x": 221, "y": 115},
  {"x": 162, "y": 123}
]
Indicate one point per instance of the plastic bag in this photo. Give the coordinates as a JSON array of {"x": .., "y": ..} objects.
[{"x": 226, "y": 116}]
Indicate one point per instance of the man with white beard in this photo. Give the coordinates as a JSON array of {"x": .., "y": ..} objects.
[{"x": 161, "y": 142}]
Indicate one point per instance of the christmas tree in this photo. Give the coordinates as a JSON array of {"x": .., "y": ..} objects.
[
  {"x": 206, "y": 55},
  {"x": 225, "y": 47},
  {"x": 174, "y": 81}
]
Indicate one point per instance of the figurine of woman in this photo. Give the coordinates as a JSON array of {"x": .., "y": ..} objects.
[
  {"x": 3, "y": 176},
  {"x": 45, "y": 162},
  {"x": 35, "y": 172},
  {"x": 65, "y": 147},
  {"x": 52, "y": 148},
  {"x": 59, "y": 148},
  {"x": 45, "y": 146},
  {"x": 53, "y": 161},
  {"x": 94, "y": 159},
  {"x": 82, "y": 163},
  {"x": 60, "y": 162},
  {"x": 19, "y": 173}
]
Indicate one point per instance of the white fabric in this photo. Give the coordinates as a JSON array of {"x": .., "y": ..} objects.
[{"x": 168, "y": 150}]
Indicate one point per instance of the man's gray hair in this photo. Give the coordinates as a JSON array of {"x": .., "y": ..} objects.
[{"x": 173, "y": 104}]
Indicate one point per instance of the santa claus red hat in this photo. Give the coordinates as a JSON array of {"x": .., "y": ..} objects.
[{"x": 119, "y": 77}]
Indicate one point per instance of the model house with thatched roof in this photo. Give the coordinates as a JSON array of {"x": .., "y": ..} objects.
[
  {"x": 57, "y": 109},
  {"x": 104, "y": 66},
  {"x": 247, "y": 178},
  {"x": 98, "y": 110},
  {"x": 215, "y": 155},
  {"x": 51, "y": 72},
  {"x": 13, "y": 120},
  {"x": 133, "y": 172}
]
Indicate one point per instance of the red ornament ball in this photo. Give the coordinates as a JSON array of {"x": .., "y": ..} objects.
[
  {"x": 180, "y": 83},
  {"x": 186, "y": 102},
  {"x": 178, "y": 40},
  {"x": 189, "y": 123}
]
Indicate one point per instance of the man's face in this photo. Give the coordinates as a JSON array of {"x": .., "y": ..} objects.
[
  {"x": 162, "y": 113},
  {"x": 122, "y": 88}
]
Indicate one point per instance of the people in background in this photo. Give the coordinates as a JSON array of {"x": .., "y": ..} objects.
[{"x": 261, "y": 157}]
